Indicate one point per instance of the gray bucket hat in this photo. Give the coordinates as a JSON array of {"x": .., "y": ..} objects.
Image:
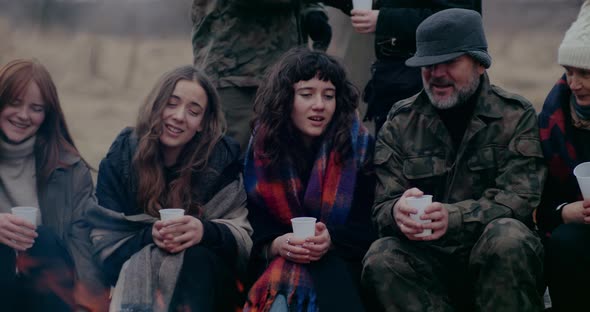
[{"x": 448, "y": 34}]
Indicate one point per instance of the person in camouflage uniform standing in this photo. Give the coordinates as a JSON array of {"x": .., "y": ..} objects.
[
  {"x": 476, "y": 149},
  {"x": 234, "y": 41}
]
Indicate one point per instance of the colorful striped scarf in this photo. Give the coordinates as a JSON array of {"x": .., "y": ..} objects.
[{"x": 328, "y": 197}]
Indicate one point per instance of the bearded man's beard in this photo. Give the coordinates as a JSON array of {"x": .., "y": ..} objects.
[{"x": 459, "y": 95}]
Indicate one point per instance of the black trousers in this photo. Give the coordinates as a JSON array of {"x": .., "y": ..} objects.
[
  {"x": 206, "y": 283},
  {"x": 568, "y": 267},
  {"x": 45, "y": 281},
  {"x": 391, "y": 81}
]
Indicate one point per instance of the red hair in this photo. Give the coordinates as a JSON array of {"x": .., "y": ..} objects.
[{"x": 53, "y": 136}]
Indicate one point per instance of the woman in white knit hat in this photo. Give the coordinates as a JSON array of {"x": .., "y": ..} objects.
[{"x": 564, "y": 216}]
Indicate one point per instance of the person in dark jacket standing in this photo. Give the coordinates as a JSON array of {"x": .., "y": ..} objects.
[
  {"x": 563, "y": 215},
  {"x": 176, "y": 157},
  {"x": 394, "y": 23},
  {"x": 42, "y": 262}
]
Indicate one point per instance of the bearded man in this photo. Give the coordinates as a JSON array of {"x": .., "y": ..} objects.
[{"x": 475, "y": 148}]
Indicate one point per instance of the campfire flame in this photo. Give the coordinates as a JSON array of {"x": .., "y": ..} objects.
[{"x": 59, "y": 281}]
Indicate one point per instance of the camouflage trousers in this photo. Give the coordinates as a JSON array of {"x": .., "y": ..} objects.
[
  {"x": 502, "y": 271},
  {"x": 238, "y": 103}
]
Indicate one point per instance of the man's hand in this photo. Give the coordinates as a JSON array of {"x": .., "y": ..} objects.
[
  {"x": 435, "y": 212},
  {"x": 364, "y": 21},
  {"x": 440, "y": 221},
  {"x": 401, "y": 214}
]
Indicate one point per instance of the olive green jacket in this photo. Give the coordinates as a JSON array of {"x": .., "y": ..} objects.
[{"x": 497, "y": 172}]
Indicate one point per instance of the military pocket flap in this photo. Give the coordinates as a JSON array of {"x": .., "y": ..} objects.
[
  {"x": 483, "y": 158},
  {"x": 424, "y": 167},
  {"x": 530, "y": 147},
  {"x": 382, "y": 155}
]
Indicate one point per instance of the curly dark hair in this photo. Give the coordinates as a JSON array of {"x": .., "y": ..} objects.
[{"x": 272, "y": 127}]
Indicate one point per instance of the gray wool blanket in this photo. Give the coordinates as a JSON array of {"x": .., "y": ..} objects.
[{"x": 147, "y": 280}]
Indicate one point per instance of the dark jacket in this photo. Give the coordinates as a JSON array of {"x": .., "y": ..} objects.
[
  {"x": 117, "y": 190},
  {"x": 395, "y": 35},
  {"x": 562, "y": 155},
  {"x": 64, "y": 201}
]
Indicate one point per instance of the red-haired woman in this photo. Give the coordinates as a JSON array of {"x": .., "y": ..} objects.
[
  {"x": 40, "y": 167},
  {"x": 309, "y": 156},
  {"x": 176, "y": 157}
]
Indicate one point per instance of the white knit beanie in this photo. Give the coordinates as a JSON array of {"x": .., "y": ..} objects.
[{"x": 575, "y": 48}]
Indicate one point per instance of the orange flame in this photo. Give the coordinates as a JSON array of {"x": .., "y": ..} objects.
[
  {"x": 58, "y": 281},
  {"x": 91, "y": 300}
]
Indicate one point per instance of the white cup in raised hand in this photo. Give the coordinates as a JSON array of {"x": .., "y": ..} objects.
[{"x": 420, "y": 203}]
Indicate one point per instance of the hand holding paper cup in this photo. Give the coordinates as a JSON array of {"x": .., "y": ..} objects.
[
  {"x": 420, "y": 203},
  {"x": 171, "y": 213},
  {"x": 582, "y": 173},
  {"x": 362, "y": 4},
  {"x": 303, "y": 227},
  {"x": 29, "y": 214}
]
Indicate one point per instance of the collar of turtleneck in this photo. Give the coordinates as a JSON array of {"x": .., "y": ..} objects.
[
  {"x": 580, "y": 114},
  {"x": 9, "y": 151},
  {"x": 582, "y": 111}
]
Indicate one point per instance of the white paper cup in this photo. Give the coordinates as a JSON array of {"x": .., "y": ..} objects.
[
  {"x": 303, "y": 227},
  {"x": 420, "y": 203},
  {"x": 171, "y": 213},
  {"x": 582, "y": 173},
  {"x": 362, "y": 4},
  {"x": 27, "y": 213}
]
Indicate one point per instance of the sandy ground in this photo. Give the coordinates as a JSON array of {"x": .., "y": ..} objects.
[{"x": 103, "y": 78}]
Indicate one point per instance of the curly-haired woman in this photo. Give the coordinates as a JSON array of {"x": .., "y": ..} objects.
[{"x": 309, "y": 155}]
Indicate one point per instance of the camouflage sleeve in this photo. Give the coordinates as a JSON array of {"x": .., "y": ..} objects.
[
  {"x": 391, "y": 182},
  {"x": 264, "y": 2},
  {"x": 201, "y": 8},
  {"x": 518, "y": 184}
]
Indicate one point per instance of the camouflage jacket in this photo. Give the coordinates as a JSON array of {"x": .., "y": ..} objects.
[
  {"x": 234, "y": 41},
  {"x": 497, "y": 171}
]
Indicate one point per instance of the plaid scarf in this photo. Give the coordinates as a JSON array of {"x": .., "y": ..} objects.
[
  {"x": 556, "y": 131},
  {"x": 328, "y": 197}
]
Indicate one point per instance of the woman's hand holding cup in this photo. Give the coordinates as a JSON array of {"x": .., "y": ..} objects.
[
  {"x": 310, "y": 241},
  {"x": 319, "y": 244},
  {"x": 176, "y": 232},
  {"x": 290, "y": 248},
  {"x": 16, "y": 232}
]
